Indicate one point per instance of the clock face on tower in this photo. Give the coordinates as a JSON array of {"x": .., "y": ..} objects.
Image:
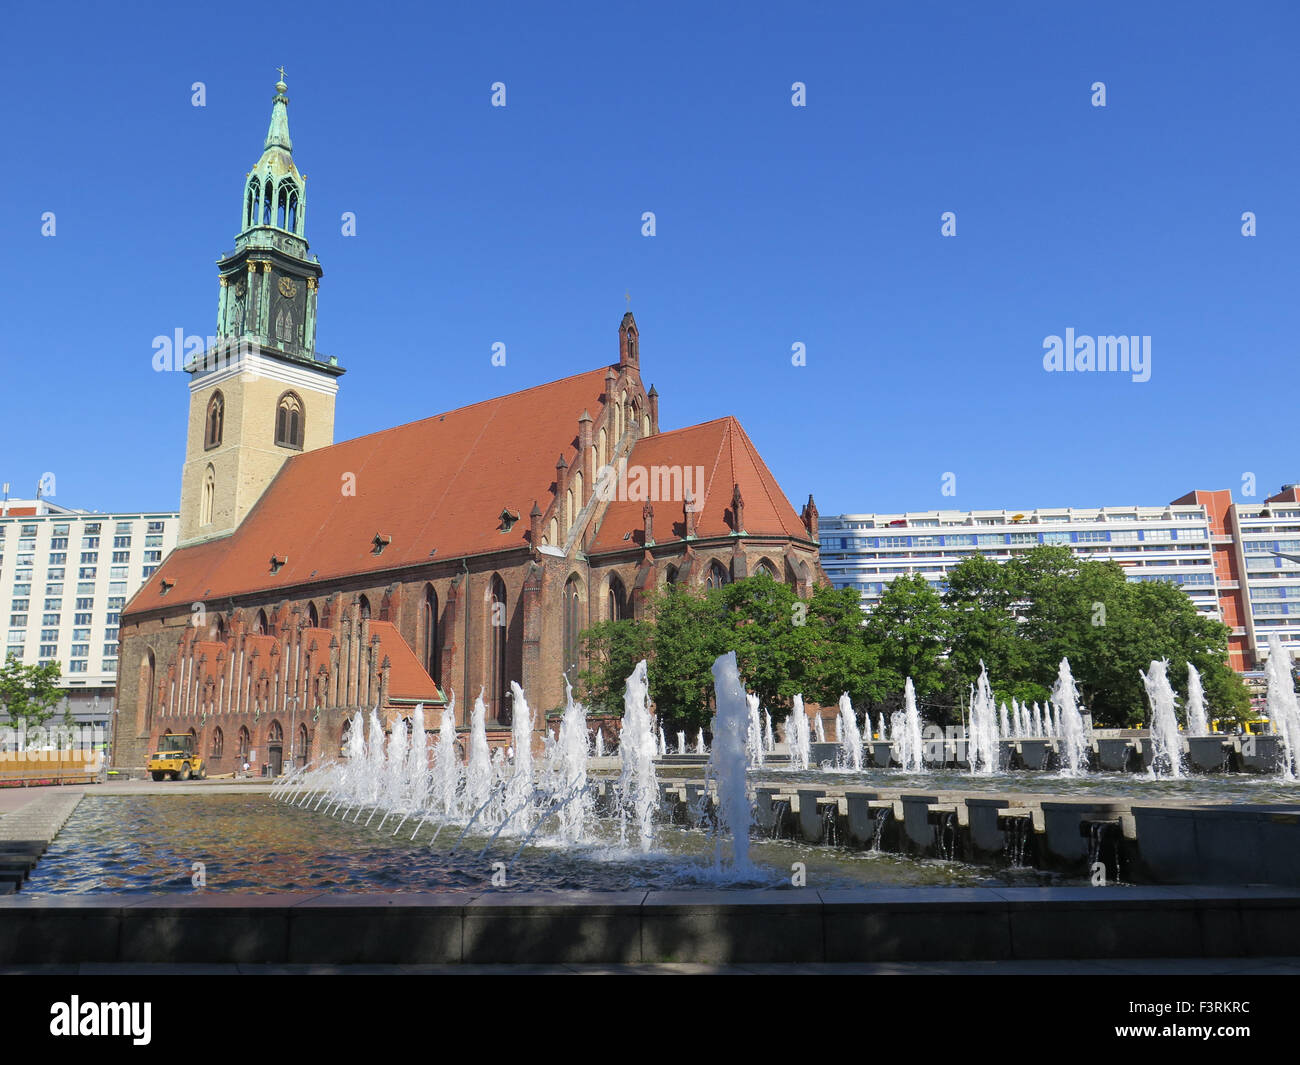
[{"x": 288, "y": 287}]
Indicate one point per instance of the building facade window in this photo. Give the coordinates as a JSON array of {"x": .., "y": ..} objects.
[
  {"x": 572, "y": 627},
  {"x": 289, "y": 421},
  {"x": 429, "y": 629},
  {"x": 207, "y": 496},
  {"x": 215, "y": 422},
  {"x": 497, "y": 629},
  {"x": 617, "y": 599}
]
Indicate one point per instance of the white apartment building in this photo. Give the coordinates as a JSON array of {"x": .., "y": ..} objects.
[
  {"x": 1167, "y": 543},
  {"x": 64, "y": 577}
]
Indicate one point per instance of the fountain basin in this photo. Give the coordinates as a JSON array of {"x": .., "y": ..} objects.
[
  {"x": 1225, "y": 844},
  {"x": 1261, "y": 754},
  {"x": 1038, "y": 754},
  {"x": 1209, "y": 754},
  {"x": 1116, "y": 755},
  {"x": 824, "y": 753},
  {"x": 704, "y": 926}
]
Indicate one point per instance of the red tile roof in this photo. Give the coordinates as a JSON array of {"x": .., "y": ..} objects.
[
  {"x": 321, "y": 638},
  {"x": 406, "y": 677},
  {"x": 264, "y": 649},
  {"x": 438, "y": 484},
  {"x": 212, "y": 653},
  {"x": 728, "y": 457}
]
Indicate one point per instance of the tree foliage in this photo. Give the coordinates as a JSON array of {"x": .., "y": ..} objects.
[
  {"x": 1019, "y": 618},
  {"x": 29, "y": 693}
]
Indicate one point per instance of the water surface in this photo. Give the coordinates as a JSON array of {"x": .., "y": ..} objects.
[{"x": 252, "y": 844}]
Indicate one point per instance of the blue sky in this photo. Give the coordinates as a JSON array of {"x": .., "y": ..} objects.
[{"x": 775, "y": 225}]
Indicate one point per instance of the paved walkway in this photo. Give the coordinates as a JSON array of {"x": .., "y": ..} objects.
[{"x": 41, "y": 817}]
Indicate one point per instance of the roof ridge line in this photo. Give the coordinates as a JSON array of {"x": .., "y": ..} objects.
[
  {"x": 454, "y": 410},
  {"x": 761, "y": 466},
  {"x": 713, "y": 473}
]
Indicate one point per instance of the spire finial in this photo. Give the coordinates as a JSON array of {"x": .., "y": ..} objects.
[{"x": 277, "y": 136}]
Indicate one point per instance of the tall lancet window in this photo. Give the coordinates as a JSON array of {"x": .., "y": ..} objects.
[
  {"x": 215, "y": 421},
  {"x": 429, "y": 631},
  {"x": 208, "y": 496},
  {"x": 498, "y": 684}
]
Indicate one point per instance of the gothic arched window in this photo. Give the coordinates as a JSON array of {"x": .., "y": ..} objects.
[
  {"x": 497, "y": 627},
  {"x": 289, "y": 421},
  {"x": 214, "y": 423},
  {"x": 259, "y": 623},
  {"x": 313, "y": 618},
  {"x": 572, "y": 626},
  {"x": 363, "y": 608},
  {"x": 208, "y": 495},
  {"x": 218, "y": 743},
  {"x": 617, "y": 599},
  {"x": 429, "y": 629},
  {"x": 145, "y": 694},
  {"x": 717, "y": 577}
]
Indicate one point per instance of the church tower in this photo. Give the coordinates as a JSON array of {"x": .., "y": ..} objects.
[{"x": 262, "y": 394}]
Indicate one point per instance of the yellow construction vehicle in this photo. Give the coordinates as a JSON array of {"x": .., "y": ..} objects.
[{"x": 175, "y": 759}]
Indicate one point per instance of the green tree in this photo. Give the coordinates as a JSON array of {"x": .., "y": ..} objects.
[
  {"x": 29, "y": 694},
  {"x": 689, "y": 633},
  {"x": 841, "y": 658},
  {"x": 784, "y": 646},
  {"x": 611, "y": 650},
  {"x": 982, "y": 601},
  {"x": 911, "y": 631}
]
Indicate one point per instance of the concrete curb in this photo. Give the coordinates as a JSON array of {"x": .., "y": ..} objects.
[{"x": 706, "y": 927}]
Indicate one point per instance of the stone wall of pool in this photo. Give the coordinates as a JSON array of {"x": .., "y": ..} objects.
[{"x": 697, "y": 926}]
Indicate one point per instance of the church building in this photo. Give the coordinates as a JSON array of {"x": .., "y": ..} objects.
[{"x": 457, "y": 553}]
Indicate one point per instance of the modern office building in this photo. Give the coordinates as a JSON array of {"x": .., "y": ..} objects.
[
  {"x": 1230, "y": 558},
  {"x": 64, "y": 577},
  {"x": 1266, "y": 542}
]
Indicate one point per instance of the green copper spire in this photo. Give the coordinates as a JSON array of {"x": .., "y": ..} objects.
[
  {"x": 276, "y": 194},
  {"x": 270, "y": 282},
  {"x": 278, "y": 134}
]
